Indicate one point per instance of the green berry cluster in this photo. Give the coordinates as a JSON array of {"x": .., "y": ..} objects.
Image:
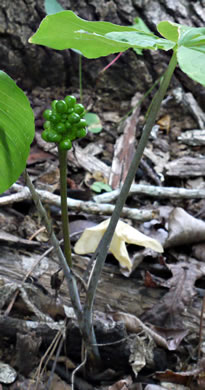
[{"x": 64, "y": 122}]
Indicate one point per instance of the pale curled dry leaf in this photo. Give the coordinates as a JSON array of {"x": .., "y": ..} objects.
[
  {"x": 184, "y": 229},
  {"x": 124, "y": 233}
]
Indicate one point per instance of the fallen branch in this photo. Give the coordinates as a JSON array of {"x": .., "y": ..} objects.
[
  {"x": 77, "y": 205},
  {"x": 154, "y": 191}
]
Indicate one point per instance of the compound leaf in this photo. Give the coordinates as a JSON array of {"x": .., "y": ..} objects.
[{"x": 65, "y": 30}]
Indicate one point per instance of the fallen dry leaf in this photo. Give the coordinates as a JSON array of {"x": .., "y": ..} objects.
[
  {"x": 168, "y": 312},
  {"x": 124, "y": 233},
  {"x": 166, "y": 338},
  {"x": 184, "y": 229}
]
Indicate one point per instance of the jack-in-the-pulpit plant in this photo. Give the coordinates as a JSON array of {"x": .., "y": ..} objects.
[{"x": 65, "y": 30}]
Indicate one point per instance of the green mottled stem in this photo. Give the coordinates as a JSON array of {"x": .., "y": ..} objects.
[
  {"x": 103, "y": 247},
  {"x": 80, "y": 79},
  {"x": 89, "y": 338},
  {"x": 62, "y": 154}
]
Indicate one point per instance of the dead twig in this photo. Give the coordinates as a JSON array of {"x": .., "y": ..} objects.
[
  {"x": 78, "y": 205},
  {"x": 153, "y": 191}
]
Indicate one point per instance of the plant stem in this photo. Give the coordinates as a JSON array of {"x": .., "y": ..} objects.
[
  {"x": 89, "y": 338},
  {"x": 103, "y": 247},
  {"x": 62, "y": 154},
  {"x": 69, "y": 276},
  {"x": 80, "y": 79},
  {"x": 141, "y": 100}
]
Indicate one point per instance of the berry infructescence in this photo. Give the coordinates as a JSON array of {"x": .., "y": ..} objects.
[{"x": 64, "y": 122}]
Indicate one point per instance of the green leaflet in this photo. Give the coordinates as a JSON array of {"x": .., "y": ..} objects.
[
  {"x": 65, "y": 30},
  {"x": 190, "y": 48},
  {"x": 140, "y": 39},
  {"x": 192, "y": 62}
]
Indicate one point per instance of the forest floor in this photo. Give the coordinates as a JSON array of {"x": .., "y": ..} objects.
[{"x": 148, "y": 319}]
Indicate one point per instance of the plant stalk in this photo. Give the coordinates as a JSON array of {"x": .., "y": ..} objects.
[
  {"x": 89, "y": 338},
  {"x": 80, "y": 79},
  {"x": 62, "y": 154},
  {"x": 103, "y": 247}
]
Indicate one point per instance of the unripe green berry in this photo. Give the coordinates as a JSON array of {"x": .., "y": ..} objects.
[
  {"x": 55, "y": 117},
  {"x": 70, "y": 110},
  {"x": 73, "y": 118},
  {"x": 60, "y": 128},
  {"x": 47, "y": 125},
  {"x": 65, "y": 144},
  {"x": 53, "y": 137},
  {"x": 81, "y": 133},
  {"x": 44, "y": 135},
  {"x": 79, "y": 109},
  {"x": 64, "y": 116},
  {"x": 68, "y": 125},
  {"x": 72, "y": 133},
  {"x": 47, "y": 114},
  {"x": 61, "y": 106},
  {"x": 53, "y": 104},
  {"x": 70, "y": 101},
  {"x": 82, "y": 123}
]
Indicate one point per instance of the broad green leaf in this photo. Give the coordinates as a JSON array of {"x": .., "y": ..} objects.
[
  {"x": 192, "y": 62},
  {"x": 65, "y": 30},
  {"x": 93, "y": 122},
  {"x": 16, "y": 131},
  {"x": 141, "y": 40},
  {"x": 99, "y": 186},
  {"x": 52, "y": 7}
]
